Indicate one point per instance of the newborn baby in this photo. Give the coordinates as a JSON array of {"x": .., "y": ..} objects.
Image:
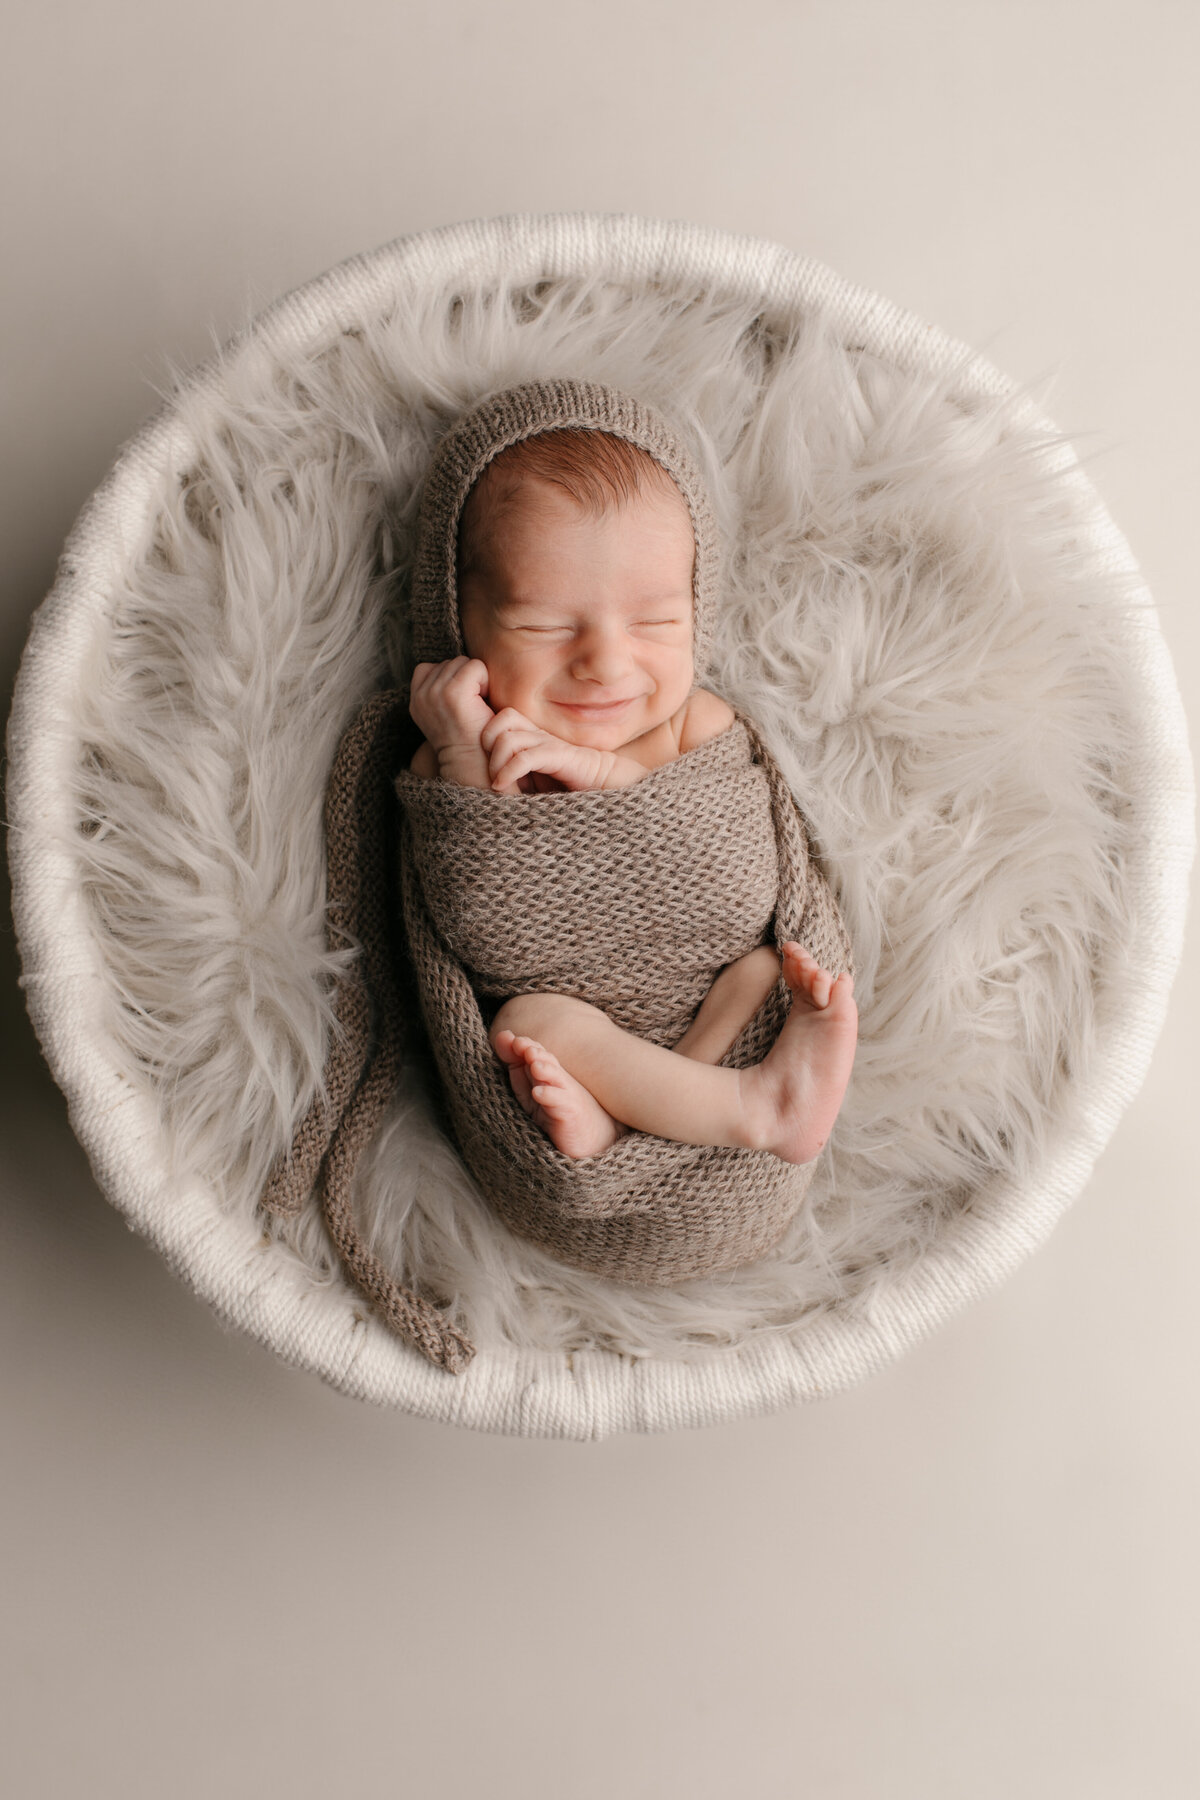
[{"x": 575, "y": 591}]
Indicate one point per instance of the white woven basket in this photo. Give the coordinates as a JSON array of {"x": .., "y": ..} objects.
[{"x": 265, "y": 1291}]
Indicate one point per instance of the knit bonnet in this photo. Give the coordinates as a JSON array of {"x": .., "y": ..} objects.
[{"x": 505, "y": 419}]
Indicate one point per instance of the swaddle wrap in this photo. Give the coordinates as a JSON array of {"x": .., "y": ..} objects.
[{"x": 632, "y": 898}]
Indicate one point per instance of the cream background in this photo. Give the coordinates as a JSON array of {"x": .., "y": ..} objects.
[{"x": 976, "y": 1576}]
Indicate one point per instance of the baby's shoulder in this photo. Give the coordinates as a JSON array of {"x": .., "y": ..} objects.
[{"x": 704, "y": 716}]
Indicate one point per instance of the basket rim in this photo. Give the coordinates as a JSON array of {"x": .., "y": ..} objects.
[{"x": 266, "y": 1291}]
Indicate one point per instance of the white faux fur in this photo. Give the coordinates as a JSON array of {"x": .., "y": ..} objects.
[{"x": 913, "y": 615}]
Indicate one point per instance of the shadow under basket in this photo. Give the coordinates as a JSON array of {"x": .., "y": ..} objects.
[{"x": 924, "y": 607}]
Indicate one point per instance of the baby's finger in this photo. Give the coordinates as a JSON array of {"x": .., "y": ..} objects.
[
  {"x": 507, "y": 768},
  {"x": 498, "y": 772},
  {"x": 469, "y": 672},
  {"x": 507, "y": 719},
  {"x": 508, "y": 743},
  {"x": 450, "y": 673}
]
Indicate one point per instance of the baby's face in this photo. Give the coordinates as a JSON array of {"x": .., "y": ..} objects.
[{"x": 584, "y": 622}]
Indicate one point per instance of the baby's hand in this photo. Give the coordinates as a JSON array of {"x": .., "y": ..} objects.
[
  {"x": 447, "y": 702},
  {"x": 519, "y": 752},
  {"x": 448, "y": 707}
]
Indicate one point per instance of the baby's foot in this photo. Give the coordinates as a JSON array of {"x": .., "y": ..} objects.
[
  {"x": 573, "y": 1120},
  {"x": 793, "y": 1096}
]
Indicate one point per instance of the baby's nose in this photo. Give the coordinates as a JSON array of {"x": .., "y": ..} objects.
[{"x": 601, "y": 656}]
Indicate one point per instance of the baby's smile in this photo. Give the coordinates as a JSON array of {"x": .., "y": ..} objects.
[{"x": 594, "y": 709}]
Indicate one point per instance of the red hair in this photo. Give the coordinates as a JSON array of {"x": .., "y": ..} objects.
[{"x": 597, "y": 470}]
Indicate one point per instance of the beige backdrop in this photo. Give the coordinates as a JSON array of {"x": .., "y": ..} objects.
[{"x": 974, "y": 1578}]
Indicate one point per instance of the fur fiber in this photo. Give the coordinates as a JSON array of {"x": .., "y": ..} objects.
[{"x": 912, "y": 613}]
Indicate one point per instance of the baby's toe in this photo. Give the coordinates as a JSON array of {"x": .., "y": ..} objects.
[
  {"x": 546, "y": 1068},
  {"x": 805, "y": 975}
]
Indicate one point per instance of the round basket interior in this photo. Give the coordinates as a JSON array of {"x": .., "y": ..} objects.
[{"x": 925, "y": 609}]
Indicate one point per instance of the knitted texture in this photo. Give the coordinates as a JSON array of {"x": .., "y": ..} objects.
[
  {"x": 365, "y": 1056},
  {"x": 637, "y": 896},
  {"x": 499, "y": 423},
  {"x": 634, "y": 900}
]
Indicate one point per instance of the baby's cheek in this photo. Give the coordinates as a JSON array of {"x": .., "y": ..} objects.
[{"x": 504, "y": 664}]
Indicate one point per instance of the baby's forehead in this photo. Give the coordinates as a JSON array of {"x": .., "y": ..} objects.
[
  {"x": 509, "y": 486},
  {"x": 595, "y": 470},
  {"x": 545, "y": 537}
]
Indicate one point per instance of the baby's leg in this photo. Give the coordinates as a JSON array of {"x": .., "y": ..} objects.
[
  {"x": 729, "y": 1005},
  {"x": 573, "y": 1118},
  {"x": 787, "y": 1104}
]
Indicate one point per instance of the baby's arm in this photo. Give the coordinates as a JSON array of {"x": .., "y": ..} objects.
[
  {"x": 520, "y": 752},
  {"x": 448, "y": 706}
]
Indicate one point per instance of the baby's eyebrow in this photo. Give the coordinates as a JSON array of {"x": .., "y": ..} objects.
[
  {"x": 548, "y": 603},
  {"x": 504, "y": 608}
]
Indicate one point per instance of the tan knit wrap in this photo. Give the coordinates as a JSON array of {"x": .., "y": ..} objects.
[
  {"x": 496, "y": 425},
  {"x": 365, "y": 1055},
  {"x": 633, "y": 899}
]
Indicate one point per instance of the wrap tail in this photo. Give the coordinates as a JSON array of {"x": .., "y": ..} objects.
[{"x": 360, "y": 1077}]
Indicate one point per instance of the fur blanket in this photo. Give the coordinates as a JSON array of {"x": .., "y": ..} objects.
[{"x": 910, "y": 612}]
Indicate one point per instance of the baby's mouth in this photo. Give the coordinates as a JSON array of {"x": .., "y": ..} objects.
[{"x": 595, "y": 709}]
